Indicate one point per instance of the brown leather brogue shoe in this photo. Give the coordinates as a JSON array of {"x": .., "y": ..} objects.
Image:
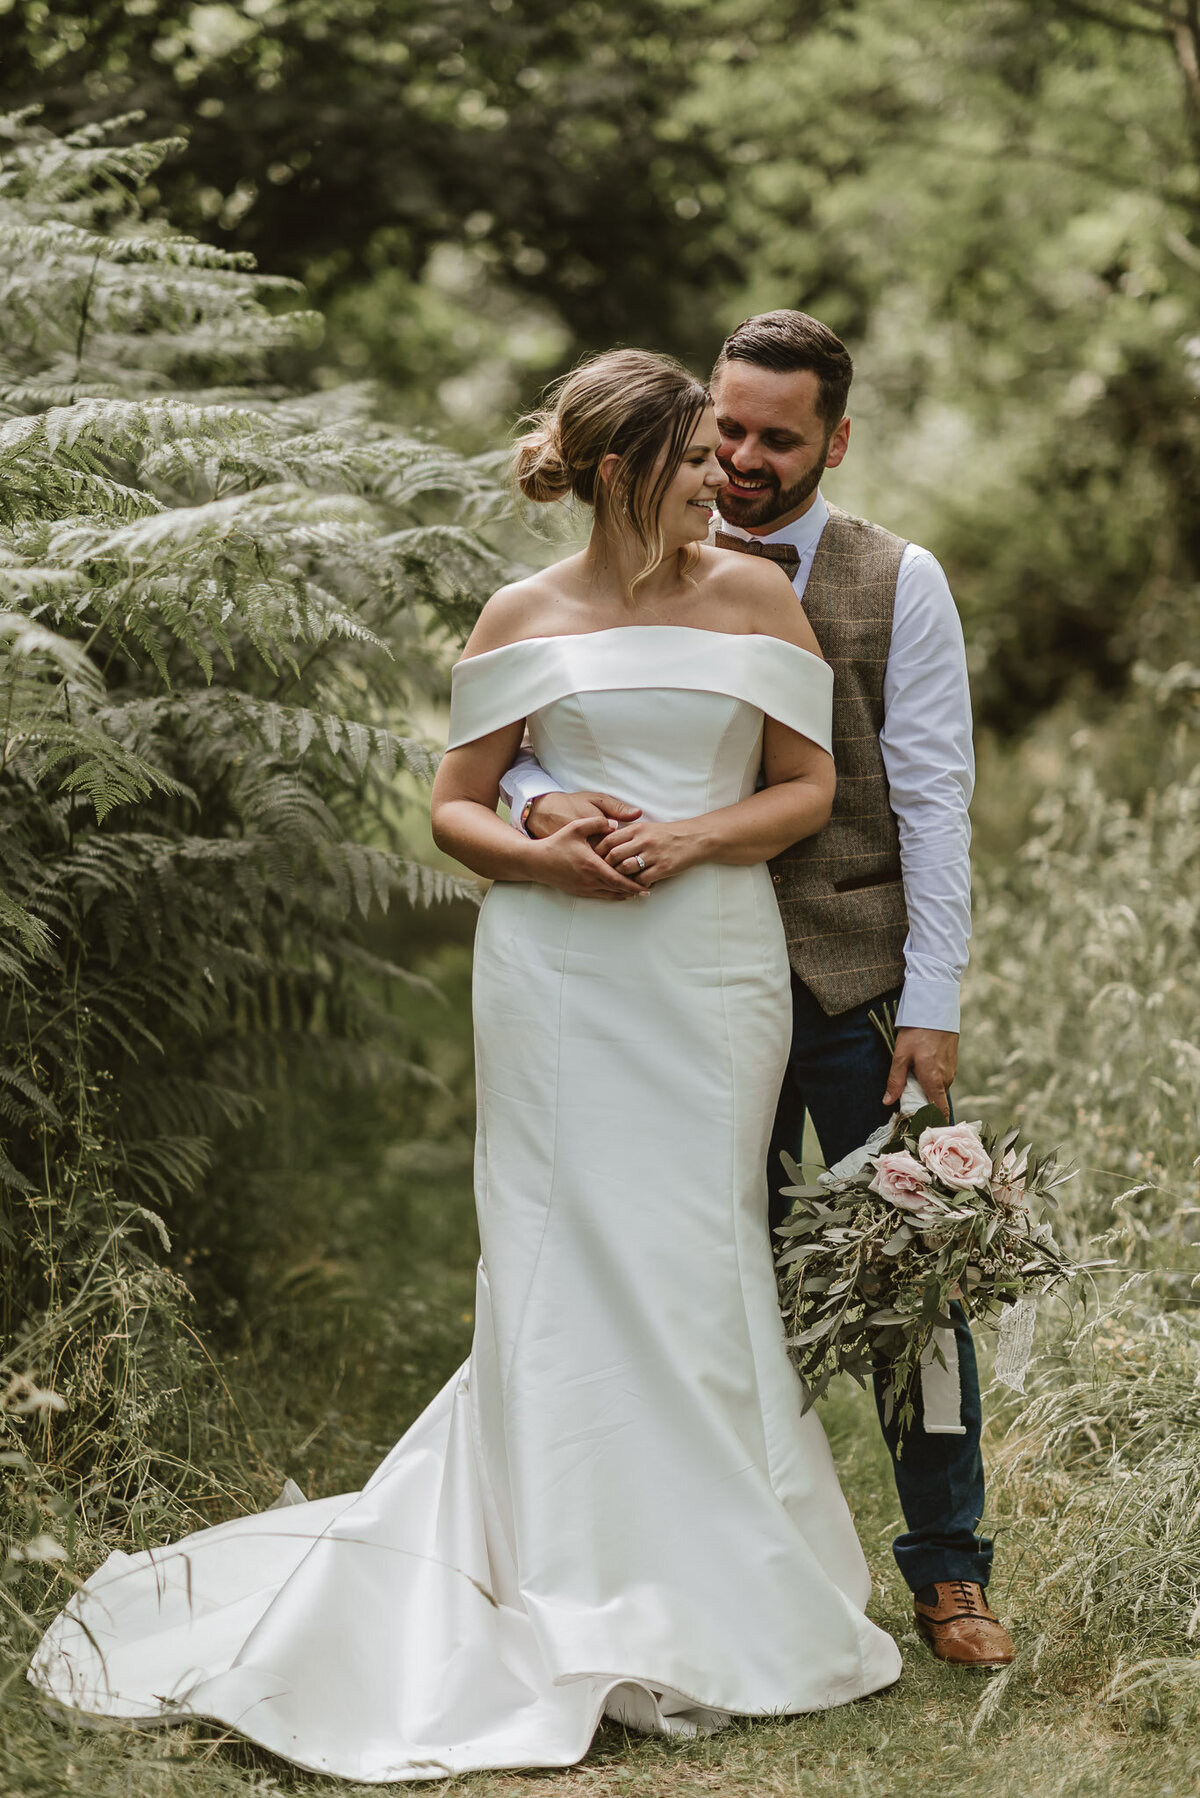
[{"x": 960, "y": 1626}]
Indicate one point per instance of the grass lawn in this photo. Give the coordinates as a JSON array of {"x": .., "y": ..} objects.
[{"x": 1046, "y": 1729}]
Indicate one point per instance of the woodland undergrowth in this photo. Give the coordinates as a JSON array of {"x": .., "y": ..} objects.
[
  {"x": 1081, "y": 1026},
  {"x": 222, "y": 599}
]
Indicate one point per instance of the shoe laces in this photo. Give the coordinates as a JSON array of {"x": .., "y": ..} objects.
[{"x": 969, "y": 1594}]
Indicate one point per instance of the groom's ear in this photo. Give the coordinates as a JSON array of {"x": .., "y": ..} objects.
[{"x": 839, "y": 443}]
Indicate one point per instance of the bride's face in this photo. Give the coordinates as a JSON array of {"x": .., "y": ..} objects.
[{"x": 687, "y": 504}]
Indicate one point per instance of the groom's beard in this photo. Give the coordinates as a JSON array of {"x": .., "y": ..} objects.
[{"x": 774, "y": 501}]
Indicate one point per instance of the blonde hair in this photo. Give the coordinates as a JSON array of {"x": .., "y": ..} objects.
[{"x": 624, "y": 403}]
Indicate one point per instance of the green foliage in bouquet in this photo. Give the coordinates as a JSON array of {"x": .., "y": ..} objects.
[{"x": 923, "y": 1214}]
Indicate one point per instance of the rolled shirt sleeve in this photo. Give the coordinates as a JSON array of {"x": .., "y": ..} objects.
[
  {"x": 525, "y": 780},
  {"x": 930, "y": 764}
]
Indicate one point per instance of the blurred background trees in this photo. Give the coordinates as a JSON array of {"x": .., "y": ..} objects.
[
  {"x": 407, "y": 159},
  {"x": 997, "y": 204}
]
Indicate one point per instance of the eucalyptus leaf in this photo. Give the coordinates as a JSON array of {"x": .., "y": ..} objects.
[
  {"x": 815, "y": 1334},
  {"x": 802, "y": 1252}
]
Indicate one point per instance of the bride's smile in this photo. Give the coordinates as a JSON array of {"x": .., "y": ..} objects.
[{"x": 693, "y": 495}]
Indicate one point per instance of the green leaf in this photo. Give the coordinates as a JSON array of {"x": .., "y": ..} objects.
[
  {"x": 927, "y": 1118},
  {"x": 814, "y": 1334},
  {"x": 804, "y": 1192}
]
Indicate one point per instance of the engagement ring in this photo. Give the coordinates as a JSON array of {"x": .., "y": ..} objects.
[{"x": 641, "y": 862}]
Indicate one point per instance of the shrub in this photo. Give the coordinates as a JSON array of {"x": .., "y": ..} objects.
[{"x": 220, "y": 601}]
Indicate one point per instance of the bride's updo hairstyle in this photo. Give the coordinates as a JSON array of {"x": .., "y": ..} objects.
[{"x": 630, "y": 404}]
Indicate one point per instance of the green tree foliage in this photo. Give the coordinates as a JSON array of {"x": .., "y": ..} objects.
[
  {"x": 335, "y": 136},
  {"x": 219, "y": 602},
  {"x": 1000, "y": 206}
]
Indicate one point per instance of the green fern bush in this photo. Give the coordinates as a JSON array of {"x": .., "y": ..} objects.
[{"x": 220, "y": 600}]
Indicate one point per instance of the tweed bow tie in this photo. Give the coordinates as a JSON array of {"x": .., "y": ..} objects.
[{"x": 786, "y": 554}]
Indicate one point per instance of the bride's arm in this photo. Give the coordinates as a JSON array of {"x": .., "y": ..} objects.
[
  {"x": 467, "y": 787},
  {"x": 795, "y": 803},
  {"x": 798, "y": 795},
  {"x": 465, "y": 825},
  {"x": 462, "y": 809}
]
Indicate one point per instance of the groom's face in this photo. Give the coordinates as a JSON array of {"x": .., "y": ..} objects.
[{"x": 775, "y": 446}]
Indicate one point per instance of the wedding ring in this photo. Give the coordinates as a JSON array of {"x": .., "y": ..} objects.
[{"x": 641, "y": 862}]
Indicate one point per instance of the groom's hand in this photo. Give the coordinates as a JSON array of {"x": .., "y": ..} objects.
[
  {"x": 550, "y": 812},
  {"x": 932, "y": 1056}
]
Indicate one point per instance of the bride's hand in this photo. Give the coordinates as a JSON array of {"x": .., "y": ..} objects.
[
  {"x": 568, "y": 861},
  {"x": 665, "y": 849}
]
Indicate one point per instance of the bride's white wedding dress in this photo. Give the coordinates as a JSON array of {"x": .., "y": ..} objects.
[{"x": 616, "y": 1504}]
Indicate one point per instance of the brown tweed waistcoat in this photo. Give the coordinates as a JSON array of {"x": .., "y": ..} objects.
[{"x": 841, "y": 892}]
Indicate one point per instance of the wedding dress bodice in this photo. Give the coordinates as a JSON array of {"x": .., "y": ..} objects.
[{"x": 664, "y": 716}]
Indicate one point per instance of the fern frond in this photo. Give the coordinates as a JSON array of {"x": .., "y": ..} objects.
[
  {"x": 30, "y": 931},
  {"x": 217, "y": 597}
]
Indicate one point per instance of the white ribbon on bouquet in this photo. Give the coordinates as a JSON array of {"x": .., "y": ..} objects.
[{"x": 941, "y": 1386}]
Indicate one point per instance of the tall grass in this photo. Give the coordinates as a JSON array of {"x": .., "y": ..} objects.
[
  {"x": 1081, "y": 1001},
  {"x": 1082, "y": 1023}
]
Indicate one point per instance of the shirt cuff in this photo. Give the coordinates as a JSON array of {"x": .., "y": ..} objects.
[
  {"x": 928, "y": 1004},
  {"x": 524, "y": 781}
]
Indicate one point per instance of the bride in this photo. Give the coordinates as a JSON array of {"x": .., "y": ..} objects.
[{"x": 616, "y": 1506}]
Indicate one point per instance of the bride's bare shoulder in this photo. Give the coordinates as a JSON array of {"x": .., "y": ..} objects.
[
  {"x": 531, "y": 607},
  {"x": 758, "y": 594}
]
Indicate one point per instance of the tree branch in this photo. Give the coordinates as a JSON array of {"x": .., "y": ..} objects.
[
  {"x": 1172, "y": 16},
  {"x": 1187, "y": 53},
  {"x": 1178, "y": 25},
  {"x": 1099, "y": 15}
]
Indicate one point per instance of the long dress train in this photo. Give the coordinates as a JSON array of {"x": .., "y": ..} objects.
[{"x": 615, "y": 1504}]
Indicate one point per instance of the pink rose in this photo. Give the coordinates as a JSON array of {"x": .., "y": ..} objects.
[
  {"x": 902, "y": 1181},
  {"x": 955, "y": 1154},
  {"x": 1008, "y": 1180}
]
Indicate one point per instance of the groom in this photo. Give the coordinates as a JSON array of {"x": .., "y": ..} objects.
[{"x": 876, "y": 908}]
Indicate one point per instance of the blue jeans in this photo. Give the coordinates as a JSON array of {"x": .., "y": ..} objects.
[{"x": 837, "y": 1071}]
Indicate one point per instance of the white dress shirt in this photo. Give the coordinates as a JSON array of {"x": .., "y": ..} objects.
[{"x": 929, "y": 762}]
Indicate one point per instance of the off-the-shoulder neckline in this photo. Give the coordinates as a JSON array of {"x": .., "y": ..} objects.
[{"x": 613, "y": 630}]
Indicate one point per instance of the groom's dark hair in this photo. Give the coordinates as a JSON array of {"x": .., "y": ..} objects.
[{"x": 786, "y": 342}]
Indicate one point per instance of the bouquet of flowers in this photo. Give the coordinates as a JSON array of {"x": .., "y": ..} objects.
[{"x": 924, "y": 1213}]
